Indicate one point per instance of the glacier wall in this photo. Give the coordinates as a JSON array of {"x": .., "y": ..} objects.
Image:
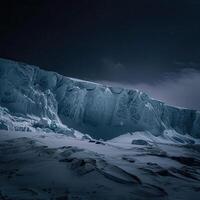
[{"x": 101, "y": 111}]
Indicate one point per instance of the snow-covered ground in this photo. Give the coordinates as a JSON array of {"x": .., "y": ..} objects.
[{"x": 40, "y": 165}]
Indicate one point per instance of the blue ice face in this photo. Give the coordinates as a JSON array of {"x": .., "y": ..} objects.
[{"x": 103, "y": 112}]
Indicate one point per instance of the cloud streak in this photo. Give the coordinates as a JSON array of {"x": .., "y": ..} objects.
[{"x": 178, "y": 89}]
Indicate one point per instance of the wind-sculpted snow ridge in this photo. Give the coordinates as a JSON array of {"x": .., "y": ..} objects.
[{"x": 101, "y": 111}]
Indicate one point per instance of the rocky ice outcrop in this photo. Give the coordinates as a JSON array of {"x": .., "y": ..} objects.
[{"x": 101, "y": 111}]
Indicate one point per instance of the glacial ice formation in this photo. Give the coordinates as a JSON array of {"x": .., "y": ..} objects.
[{"x": 101, "y": 111}]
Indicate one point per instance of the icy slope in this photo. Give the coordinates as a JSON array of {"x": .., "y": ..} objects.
[{"x": 103, "y": 112}]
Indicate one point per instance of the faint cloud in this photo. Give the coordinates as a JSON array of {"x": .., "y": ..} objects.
[
  {"x": 187, "y": 65},
  {"x": 110, "y": 64},
  {"x": 113, "y": 69},
  {"x": 179, "y": 89}
]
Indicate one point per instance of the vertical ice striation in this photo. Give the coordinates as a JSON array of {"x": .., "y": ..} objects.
[{"x": 103, "y": 112}]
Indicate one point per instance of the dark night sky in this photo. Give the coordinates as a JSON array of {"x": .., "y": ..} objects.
[{"x": 143, "y": 43}]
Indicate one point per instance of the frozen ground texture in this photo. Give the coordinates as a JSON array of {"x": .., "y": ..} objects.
[
  {"x": 48, "y": 100},
  {"x": 40, "y": 165}
]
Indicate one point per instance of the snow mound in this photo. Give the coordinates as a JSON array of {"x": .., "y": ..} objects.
[{"x": 147, "y": 138}]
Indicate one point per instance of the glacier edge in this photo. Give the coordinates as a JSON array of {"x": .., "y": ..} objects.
[{"x": 101, "y": 111}]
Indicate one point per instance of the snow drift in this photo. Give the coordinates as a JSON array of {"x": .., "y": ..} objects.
[{"x": 29, "y": 92}]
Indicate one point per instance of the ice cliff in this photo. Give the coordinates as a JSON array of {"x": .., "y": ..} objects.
[{"x": 104, "y": 112}]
